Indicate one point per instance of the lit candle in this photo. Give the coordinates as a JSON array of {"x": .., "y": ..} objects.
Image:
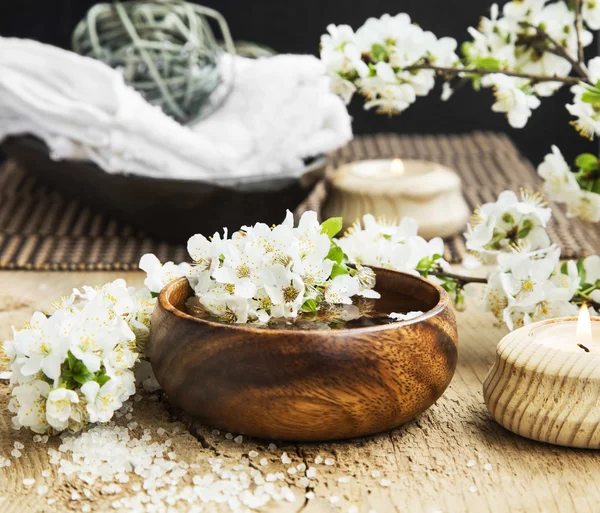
[
  {"x": 545, "y": 383},
  {"x": 397, "y": 188},
  {"x": 569, "y": 334}
]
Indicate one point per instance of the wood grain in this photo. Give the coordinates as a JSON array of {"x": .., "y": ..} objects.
[
  {"x": 426, "y": 460},
  {"x": 544, "y": 393},
  {"x": 306, "y": 385}
]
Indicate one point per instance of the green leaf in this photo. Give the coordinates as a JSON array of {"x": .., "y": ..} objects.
[
  {"x": 102, "y": 379},
  {"x": 154, "y": 294},
  {"x": 424, "y": 264},
  {"x": 338, "y": 270},
  {"x": 592, "y": 97},
  {"x": 378, "y": 53},
  {"x": 72, "y": 360},
  {"x": 336, "y": 254},
  {"x": 596, "y": 186},
  {"x": 332, "y": 226},
  {"x": 84, "y": 377},
  {"x": 581, "y": 270},
  {"x": 564, "y": 269},
  {"x": 310, "y": 305},
  {"x": 488, "y": 63},
  {"x": 587, "y": 162}
]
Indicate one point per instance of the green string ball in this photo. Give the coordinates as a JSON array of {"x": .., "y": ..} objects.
[{"x": 165, "y": 49}]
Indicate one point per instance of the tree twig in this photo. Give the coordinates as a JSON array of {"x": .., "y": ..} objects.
[
  {"x": 463, "y": 280},
  {"x": 482, "y": 71},
  {"x": 578, "y": 27},
  {"x": 559, "y": 50}
]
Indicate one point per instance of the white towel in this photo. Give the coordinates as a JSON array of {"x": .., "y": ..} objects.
[{"x": 279, "y": 112}]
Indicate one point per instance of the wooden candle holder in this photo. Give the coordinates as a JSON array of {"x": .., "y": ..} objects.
[
  {"x": 427, "y": 191},
  {"x": 546, "y": 393}
]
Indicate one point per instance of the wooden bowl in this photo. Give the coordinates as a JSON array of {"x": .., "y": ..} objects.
[
  {"x": 193, "y": 206},
  {"x": 306, "y": 385}
]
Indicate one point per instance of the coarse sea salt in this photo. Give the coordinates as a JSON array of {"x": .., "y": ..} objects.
[{"x": 110, "y": 454}]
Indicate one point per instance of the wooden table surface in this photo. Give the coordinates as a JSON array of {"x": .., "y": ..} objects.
[{"x": 427, "y": 461}]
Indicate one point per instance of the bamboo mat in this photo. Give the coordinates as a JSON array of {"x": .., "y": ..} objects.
[{"x": 41, "y": 230}]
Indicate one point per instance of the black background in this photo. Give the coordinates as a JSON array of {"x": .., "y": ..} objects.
[{"x": 296, "y": 26}]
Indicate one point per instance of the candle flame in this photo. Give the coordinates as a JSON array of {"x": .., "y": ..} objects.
[
  {"x": 584, "y": 324},
  {"x": 397, "y": 167}
]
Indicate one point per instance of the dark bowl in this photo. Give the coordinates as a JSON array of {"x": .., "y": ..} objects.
[
  {"x": 169, "y": 210},
  {"x": 306, "y": 385}
]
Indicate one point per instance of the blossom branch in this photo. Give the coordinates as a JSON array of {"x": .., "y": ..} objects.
[
  {"x": 483, "y": 71},
  {"x": 558, "y": 49}
]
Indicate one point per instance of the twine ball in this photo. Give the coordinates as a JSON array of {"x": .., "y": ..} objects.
[{"x": 165, "y": 49}]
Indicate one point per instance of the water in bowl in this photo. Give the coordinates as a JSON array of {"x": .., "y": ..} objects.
[{"x": 361, "y": 313}]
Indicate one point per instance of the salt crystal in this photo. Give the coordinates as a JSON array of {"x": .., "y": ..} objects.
[
  {"x": 272, "y": 447},
  {"x": 310, "y": 495},
  {"x": 132, "y": 425},
  {"x": 51, "y": 501},
  {"x": 253, "y": 454},
  {"x": 318, "y": 460},
  {"x": 172, "y": 455},
  {"x": 291, "y": 471},
  {"x": 334, "y": 499},
  {"x": 285, "y": 459},
  {"x": 344, "y": 479},
  {"x": 15, "y": 453},
  {"x": 353, "y": 509},
  {"x": 488, "y": 467},
  {"x": 137, "y": 398},
  {"x": 45, "y": 473},
  {"x": 18, "y": 445},
  {"x": 301, "y": 467},
  {"x": 215, "y": 432},
  {"x": 304, "y": 482},
  {"x": 375, "y": 474},
  {"x": 45, "y": 439},
  {"x": 238, "y": 439},
  {"x": 329, "y": 462},
  {"x": 160, "y": 431},
  {"x": 264, "y": 462},
  {"x": 86, "y": 508},
  {"x": 311, "y": 472},
  {"x": 42, "y": 490},
  {"x": 385, "y": 482},
  {"x": 473, "y": 489},
  {"x": 229, "y": 436},
  {"x": 75, "y": 496},
  {"x": 471, "y": 463},
  {"x": 129, "y": 416},
  {"x": 28, "y": 481}
]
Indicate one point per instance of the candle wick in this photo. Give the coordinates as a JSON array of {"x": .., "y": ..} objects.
[{"x": 584, "y": 348}]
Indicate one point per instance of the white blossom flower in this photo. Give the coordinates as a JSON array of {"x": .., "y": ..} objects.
[
  {"x": 590, "y": 12},
  {"x": 560, "y": 182},
  {"x": 511, "y": 98},
  {"x": 158, "y": 275},
  {"x": 528, "y": 287},
  {"x": 341, "y": 289},
  {"x": 29, "y": 403},
  {"x": 101, "y": 401},
  {"x": 62, "y": 407},
  {"x": 583, "y": 204},
  {"x": 508, "y": 222},
  {"x": 285, "y": 289},
  {"x": 588, "y": 115},
  {"x": 40, "y": 347}
]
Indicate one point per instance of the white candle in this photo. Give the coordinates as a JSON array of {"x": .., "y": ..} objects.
[
  {"x": 569, "y": 335},
  {"x": 397, "y": 188}
]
